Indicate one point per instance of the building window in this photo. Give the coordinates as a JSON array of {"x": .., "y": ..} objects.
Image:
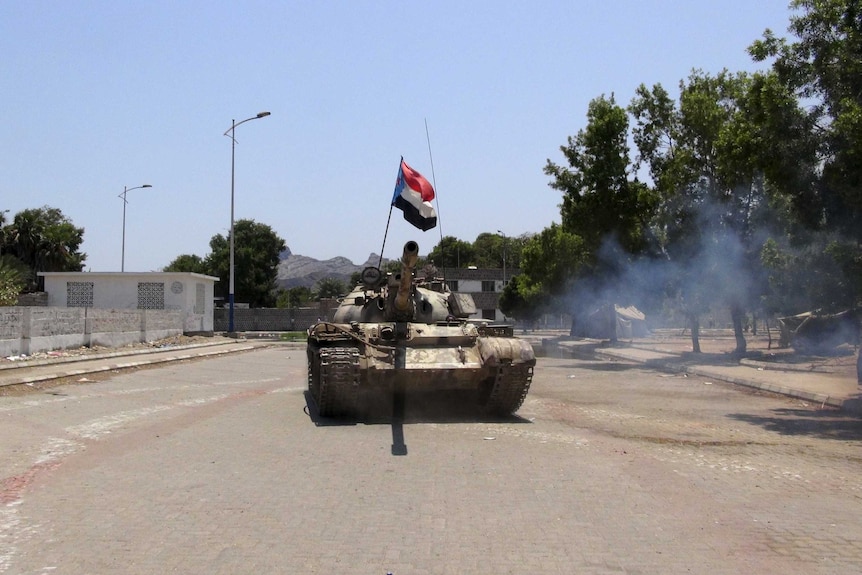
[
  {"x": 488, "y": 285},
  {"x": 79, "y": 294},
  {"x": 200, "y": 298},
  {"x": 151, "y": 295},
  {"x": 453, "y": 285},
  {"x": 489, "y": 314}
]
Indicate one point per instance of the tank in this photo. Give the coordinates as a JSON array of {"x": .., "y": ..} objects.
[{"x": 397, "y": 332}]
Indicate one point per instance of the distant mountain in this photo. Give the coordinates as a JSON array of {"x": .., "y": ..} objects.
[{"x": 296, "y": 270}]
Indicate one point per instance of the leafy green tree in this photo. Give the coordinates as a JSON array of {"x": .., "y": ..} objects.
[
  {"x": 602, "y": 199},
  {"x": 328, "y": 288},
  {"x": 605, "y": 208},
  {"x": 256, "y": 258},
  {"x": 709, "y": 174},
  {"x": 491, "y": 249},
  {"x": 522, "y": 300},
  {"x": 188, "y": 263},
  {"x": 44, "y": 240},
  {"x": 824, "y": 66},
  {"x": 452, "y": 253},
  {"x": 825, "y": 271},
  {"x": 553, "y": 259},
  {"x": 293, "y": 297},
  {"x": 12, "y": 273},
  {"x": 551, "y": 262}
]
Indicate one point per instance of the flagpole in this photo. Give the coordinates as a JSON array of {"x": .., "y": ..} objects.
[
  {"x": 434, "y": 179},
  {"x": 388, "y": 219},
  {"x": 380, "y": 261}
]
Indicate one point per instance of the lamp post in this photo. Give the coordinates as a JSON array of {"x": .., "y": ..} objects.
[
  {"x": 505, "y": 241},
  {"x": 230, "y": 133},
  {"x": 123, "y": 195}
]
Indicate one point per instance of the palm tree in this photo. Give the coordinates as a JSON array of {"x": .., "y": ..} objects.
[{"x": 45, "y": 241}]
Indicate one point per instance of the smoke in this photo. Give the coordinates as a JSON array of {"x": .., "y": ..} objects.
[{"x": 710, "y": 266}]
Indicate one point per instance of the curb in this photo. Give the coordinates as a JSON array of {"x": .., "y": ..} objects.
[
  {"x": 848, "y": 405},
  {"x": 107, "y": 355},
  {"x": 777, "y": 366},
  {"x": 122, "y": 365}
]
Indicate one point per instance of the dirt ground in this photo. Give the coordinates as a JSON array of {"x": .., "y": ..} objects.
[
  {"x": 760, "y": 347},
  {"x": 168, "y": 342}
]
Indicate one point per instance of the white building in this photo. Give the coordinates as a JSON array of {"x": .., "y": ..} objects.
[
  {"x": 484, "y": 284},
  {"x": 189, "y": 293}
]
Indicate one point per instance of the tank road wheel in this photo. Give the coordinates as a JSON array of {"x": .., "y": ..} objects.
[
  {"x": 507, "y": 391},
  {"x": 338, "y": 381}
]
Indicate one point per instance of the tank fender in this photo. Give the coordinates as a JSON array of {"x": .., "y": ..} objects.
[{"x": 497, "y": 350}]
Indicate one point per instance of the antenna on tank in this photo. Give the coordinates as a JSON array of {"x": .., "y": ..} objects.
[{"x": 434, "y": 181}]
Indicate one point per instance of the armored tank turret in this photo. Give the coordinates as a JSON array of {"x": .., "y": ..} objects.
[{"x": 399, "y": 331}]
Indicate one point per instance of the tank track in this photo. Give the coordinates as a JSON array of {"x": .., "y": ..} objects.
[
  {"x": 335, "y": 390},
  {"x": 509, "y": 389}
]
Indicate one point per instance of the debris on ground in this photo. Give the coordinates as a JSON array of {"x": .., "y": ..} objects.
[{"x": 83, "y": 351}]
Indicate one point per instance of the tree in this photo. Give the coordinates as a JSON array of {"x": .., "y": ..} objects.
[
  {"x": 602, "y": 200},
  {"x": 293, "y": 297},
  {"x": 188, "y": 263},
  {"x": 824, "y": 66},
  {"x": 12, "y": 273},
  {"x": 44, "y": 240},
  {"x": 604, "y": 206},
  {"x": 553, "y": 259},
  {"x": 824, "y": 273},
  {"x": 299, "y": 295},
  {"x": 452, "y": 253},
  {"x": 551, "y": 262},
  {"x": 491, "y": 249},
  {"x": 704, "y": 158},
  {"x": 522, "y": 300},
  {"x": 328, "y": 288},
  {"x": 256, "y": 258}
]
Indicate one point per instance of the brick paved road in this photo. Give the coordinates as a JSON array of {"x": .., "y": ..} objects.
[{"x": 216, "y": 467}]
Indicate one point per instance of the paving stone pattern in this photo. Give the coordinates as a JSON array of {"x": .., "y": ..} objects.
[{"x": 219, "y": 466}]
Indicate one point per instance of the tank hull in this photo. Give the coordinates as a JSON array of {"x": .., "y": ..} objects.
[{"x": 346, "y": 360}]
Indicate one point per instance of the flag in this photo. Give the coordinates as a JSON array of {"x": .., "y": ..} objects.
[{"x": 413, "y": 195}]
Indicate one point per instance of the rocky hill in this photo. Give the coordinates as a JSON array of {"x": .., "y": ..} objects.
[{"x": 295, "y": 270}]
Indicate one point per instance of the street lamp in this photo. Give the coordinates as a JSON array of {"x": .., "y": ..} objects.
[
  {"x": 230, "y": 133},
  {"x": 505, "y": 241},
  {"x": 123, "y": 195}
]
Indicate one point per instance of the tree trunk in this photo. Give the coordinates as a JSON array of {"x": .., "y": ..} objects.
[
  {"x": 694, "y": 323},
  {"x": 611, "y": 318},
  {"x": 737, "y": 315},
  {"x": 859, "y": 366}
]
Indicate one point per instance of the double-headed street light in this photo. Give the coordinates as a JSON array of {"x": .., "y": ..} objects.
[
  {"x": 230, "y": 133},
  {"x": 123, "y": 195}
]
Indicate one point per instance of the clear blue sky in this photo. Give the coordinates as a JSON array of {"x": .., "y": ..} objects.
[{"x": 96, "y": 96}]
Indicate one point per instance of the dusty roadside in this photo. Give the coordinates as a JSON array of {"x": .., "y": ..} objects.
[
  {"x": 83, "y": 351},
  {"x": 761, "y": 349}
]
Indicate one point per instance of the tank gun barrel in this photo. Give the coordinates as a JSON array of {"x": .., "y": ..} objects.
[{"x": 409, "y": 258}]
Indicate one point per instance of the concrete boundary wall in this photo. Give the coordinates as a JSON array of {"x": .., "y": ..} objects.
[
  {"x": 271, "y": 319},
  {"x": 26, "y": 330}
]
